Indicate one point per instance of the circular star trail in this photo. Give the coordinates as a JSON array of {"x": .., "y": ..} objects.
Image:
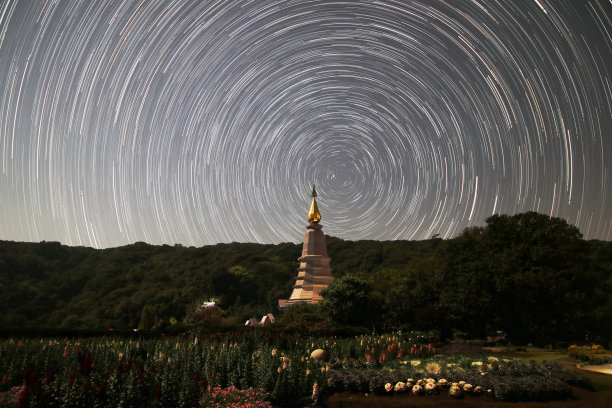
[{"x": 198, "y": 122}]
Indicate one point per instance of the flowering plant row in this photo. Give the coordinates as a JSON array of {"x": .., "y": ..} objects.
[
  {"x": 593, "y": 354},
  {"x": 184, "y": 372},
  {"x": 509, "y": 380},
  {"x": 260, "y": 367}
]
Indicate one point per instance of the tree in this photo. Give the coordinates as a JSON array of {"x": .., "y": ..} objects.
[
  {"x": 348, "y": 300},
  {"x": 305, "y": 318}
]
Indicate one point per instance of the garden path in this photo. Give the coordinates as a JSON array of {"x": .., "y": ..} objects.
[{"x": 605, "y": 368}]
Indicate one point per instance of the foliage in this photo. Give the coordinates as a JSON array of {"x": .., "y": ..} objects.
[
  {"x": 348, "y": 300},
  {"x": 530, "y": 275},
  {"x": 306, "y": 318},
  {"x": 593, "y": 354},
  {"x": 233, "y": 397},
  {"x": 206, "y": 319},
  {"x": 251, "y": 366}
]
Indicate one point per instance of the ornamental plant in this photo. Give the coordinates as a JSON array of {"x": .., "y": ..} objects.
[{"x": 233, "y": 397}]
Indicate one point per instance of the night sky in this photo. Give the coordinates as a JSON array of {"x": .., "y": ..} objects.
[{"x": 198, "y": 122}]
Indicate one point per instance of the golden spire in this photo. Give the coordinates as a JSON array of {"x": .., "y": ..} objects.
[{"x": 314, "y": 216}]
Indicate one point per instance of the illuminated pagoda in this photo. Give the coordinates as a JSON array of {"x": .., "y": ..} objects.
[{"x": 314, "y": 273}]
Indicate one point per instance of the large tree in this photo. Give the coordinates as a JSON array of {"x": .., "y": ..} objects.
[
  {"x": 528, "y": 274},
  {"x": 348, "y": 300}
]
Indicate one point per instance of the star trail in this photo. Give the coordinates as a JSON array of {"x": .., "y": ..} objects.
[{"x": 198, "y": 122}]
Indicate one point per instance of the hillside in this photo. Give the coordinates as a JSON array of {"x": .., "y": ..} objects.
[
  {"x": 53, "y": 285},
  {"x": 535, "y": 268}
]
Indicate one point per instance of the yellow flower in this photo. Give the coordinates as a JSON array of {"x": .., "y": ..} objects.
[
  {"x": 455, "y": 391},
  {"x": 415, "y": 363},
  {"x": 388, "y": 387},
  {"x": 432, "y": 368},
  {"x": 493, "y": 359},
  {"x": 476, "y": 363}
]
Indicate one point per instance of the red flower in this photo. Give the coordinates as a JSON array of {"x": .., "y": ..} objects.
[
  {"x": 29, "y": 377},
  {"x": 87, "y": 364},
  {"x": 157, "y": 394},
  {"x": 368, "y": 357},
  {"x": 4, "y": 379}
]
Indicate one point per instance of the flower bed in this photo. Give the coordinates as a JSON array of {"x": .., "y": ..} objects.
[
  {"x": 193, "y": 372},
  {"x": 593, "y": 354},
  {"x": 509, "y": 380}
]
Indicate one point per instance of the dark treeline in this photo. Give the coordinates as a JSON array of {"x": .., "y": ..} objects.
[{"x": 530, "y": 275}]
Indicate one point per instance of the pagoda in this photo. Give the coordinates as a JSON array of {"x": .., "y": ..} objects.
[{"x": 314, "y": 273}]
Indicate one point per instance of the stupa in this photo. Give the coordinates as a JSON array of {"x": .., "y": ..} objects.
[{"x": 314, "y": 273}]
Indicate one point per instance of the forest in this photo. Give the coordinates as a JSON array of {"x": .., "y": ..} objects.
[{"x": 532, "y": 276}]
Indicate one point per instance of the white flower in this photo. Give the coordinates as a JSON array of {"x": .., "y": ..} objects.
[
  {"x": 468, "y": 387},
  {"x": 417, "y": 389},
  {"x": 388, "y": 387},
  {"x": 430, "y": 387},
  {"x": 442, "y": 382}
]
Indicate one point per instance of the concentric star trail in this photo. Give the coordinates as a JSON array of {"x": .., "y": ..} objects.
[{"x": 197, "y": 122}]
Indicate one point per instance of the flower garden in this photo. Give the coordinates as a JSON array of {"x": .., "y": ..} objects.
[{"x": 259, "y": 368}]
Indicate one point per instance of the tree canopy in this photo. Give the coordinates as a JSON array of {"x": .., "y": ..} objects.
[{"x": 530, "y": 275}]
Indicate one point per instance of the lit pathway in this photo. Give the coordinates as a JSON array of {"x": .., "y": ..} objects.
[{"x": 606, "y": 368}]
